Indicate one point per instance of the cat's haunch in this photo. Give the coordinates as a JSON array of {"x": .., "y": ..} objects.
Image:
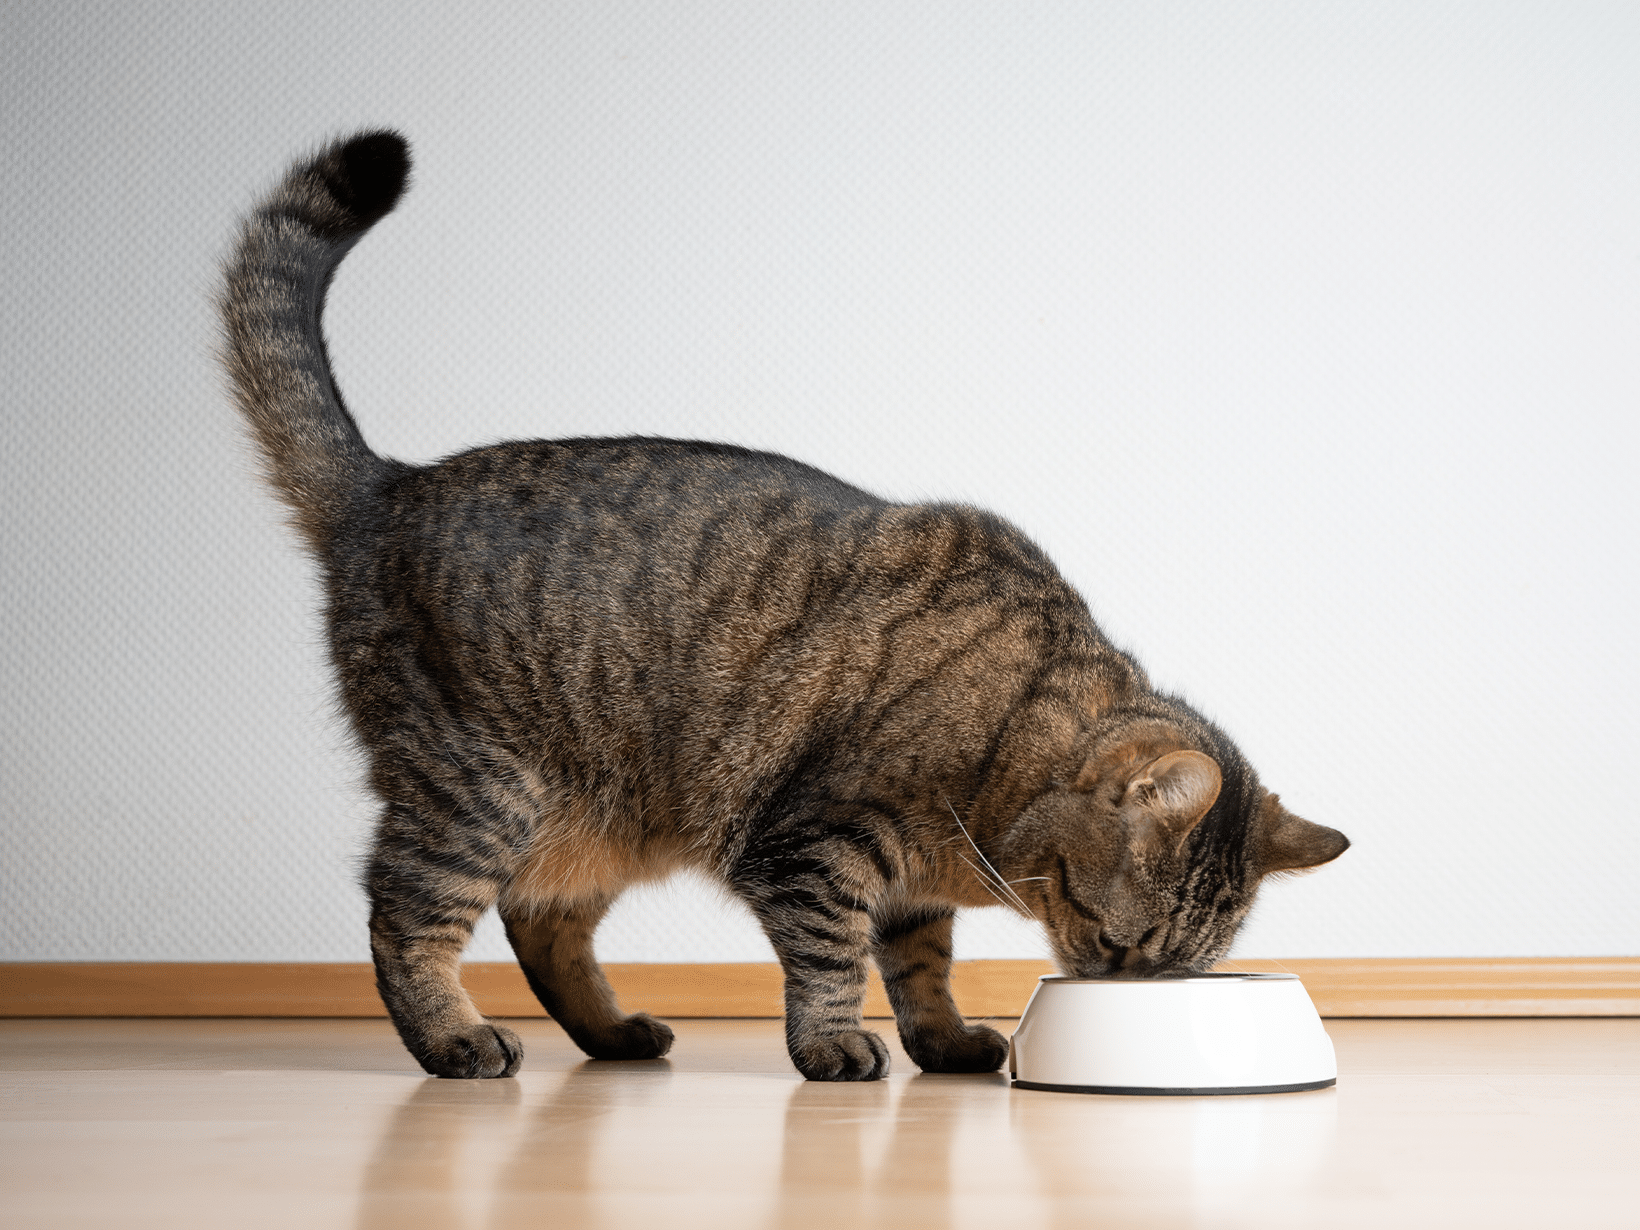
[{"x": 579, "y": 664}]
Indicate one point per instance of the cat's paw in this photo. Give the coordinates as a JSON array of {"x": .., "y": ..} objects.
[
  {"x": 639, "y": 1036},
  {"x": 976, "y": 1048},
  {"x": 849, "y": 1055},
  {"x": 474, "y": 1053}
]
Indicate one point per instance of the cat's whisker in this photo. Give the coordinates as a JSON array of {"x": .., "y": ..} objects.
[
  {"x": 1028, "y": 880},
  {"x": 1007, "y": 895},
  {"x": 1014, "y": 898},
  {"x": 985, "y": 883}
]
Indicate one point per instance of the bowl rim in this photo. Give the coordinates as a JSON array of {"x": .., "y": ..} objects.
[{"x": 1221, "y": 978}]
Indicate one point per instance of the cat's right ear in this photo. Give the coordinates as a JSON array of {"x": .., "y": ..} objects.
[{"x": 1285, "y": 842}]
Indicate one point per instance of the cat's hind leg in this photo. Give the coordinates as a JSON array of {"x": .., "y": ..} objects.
[
  {"x": 912, "y": 945},
  {"x": 428, "y": 885},
  {"x": 553, "y": 942}
]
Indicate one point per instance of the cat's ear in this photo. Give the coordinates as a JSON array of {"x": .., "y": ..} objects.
[
  {"x": 1168, "y": 798},
  {"x": 1285, "y": 842}
]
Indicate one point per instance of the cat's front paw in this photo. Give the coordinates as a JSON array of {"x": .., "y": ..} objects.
[
  {"x": 976, "y": 1048},
  {"x": 639, "y": 1036},
  {"x": 477, "y": 1052},
  {"x": 849, "y": 1055}
]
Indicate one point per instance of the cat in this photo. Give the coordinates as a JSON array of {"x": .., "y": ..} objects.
[{"x": 574, "y": 665}]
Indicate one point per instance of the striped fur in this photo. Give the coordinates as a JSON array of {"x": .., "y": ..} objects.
[{"x": 579, "y": 664}]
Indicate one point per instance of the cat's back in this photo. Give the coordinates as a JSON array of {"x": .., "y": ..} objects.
[
  {"x": 662, "y": 516},
  {"x": 581, "y": 495},
  {"x": 663, "y": 549}
]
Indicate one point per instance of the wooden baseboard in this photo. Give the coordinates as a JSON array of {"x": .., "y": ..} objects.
[
  {"x": 1465, "y": 986},
  {"x": 1380, "y": 987}
]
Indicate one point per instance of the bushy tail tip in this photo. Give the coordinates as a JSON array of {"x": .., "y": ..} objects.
[{"x": 365, "y": 176}]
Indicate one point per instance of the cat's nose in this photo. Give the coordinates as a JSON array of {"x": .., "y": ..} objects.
[
  {"x": 1137, "y": 964},
  {"x": 1116, "y": 955}
]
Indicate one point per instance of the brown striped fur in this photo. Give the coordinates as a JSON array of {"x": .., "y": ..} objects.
[{"x": 576, "y": 665}]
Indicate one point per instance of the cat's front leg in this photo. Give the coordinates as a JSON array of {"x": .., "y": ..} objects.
[
  {"x": 822, "y": 935},
  {"x": 824, "y": 994},
  {"x": 912, "y": 944}
]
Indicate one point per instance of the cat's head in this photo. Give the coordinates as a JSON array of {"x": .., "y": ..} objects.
[{"x": 1146, "y": 860}]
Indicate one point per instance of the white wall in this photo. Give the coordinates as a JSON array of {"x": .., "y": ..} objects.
[{"x": 1305, "y": 337}]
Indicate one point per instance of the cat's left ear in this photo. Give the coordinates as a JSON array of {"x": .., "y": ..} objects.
[
  {"x": 1166, "y": 799},
  {"x": 1285, "y": 842}
]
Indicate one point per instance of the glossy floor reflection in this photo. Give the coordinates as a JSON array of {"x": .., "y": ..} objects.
[{"x": 1494, "y": 1123}]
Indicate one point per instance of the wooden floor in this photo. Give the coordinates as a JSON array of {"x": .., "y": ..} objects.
[{"x": 313, "y": 1124}]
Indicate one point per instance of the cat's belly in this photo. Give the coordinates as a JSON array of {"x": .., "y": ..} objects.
[{"x": 572, "y": 864}]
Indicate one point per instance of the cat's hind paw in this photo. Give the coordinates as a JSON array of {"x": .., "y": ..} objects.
[{"x": 849, "y": 1055}]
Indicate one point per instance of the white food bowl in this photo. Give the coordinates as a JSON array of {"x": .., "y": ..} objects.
[{"x": 1205, "y": 1034}]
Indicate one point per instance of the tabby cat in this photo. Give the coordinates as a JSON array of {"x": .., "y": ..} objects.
[{"x": 579, "y": 664}]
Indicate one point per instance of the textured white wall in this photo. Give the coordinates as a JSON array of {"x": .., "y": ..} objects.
[{"x": 1304, "y": 337}]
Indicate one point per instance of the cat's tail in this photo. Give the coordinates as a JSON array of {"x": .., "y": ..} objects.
[{"x": 277, "y": 276}]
